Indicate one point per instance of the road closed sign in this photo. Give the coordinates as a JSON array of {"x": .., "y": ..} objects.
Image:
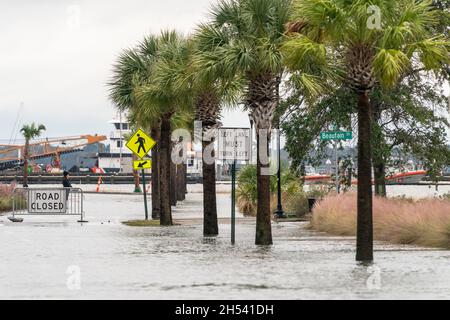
[{"x": 47, "y": 201}]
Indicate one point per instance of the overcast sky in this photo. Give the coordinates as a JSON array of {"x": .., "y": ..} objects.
[{"x": 56, "y": 57}]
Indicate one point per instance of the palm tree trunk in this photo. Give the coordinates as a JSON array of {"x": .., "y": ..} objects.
[
  {"x": 156, "y": 192},
  {"x": 185, "y": 179},
  {"x": 25, "y": 163},
  {"x": 379, "y": 165},
  {"x": 180, "y": 190},
  {"x": 210, "y": 224},
  {"x": 164, "y": 165},
  {"x": 262, "y": 100},
  {"x": 364, "y": 238},
  {"x": 173, "y": 181},
  {"x": 263, "y": 220}
]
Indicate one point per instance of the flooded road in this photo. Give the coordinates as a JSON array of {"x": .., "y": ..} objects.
[{"x": 57, "y": 258}]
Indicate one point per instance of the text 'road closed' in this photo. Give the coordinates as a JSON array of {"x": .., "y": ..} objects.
[{"x": 47, "y": 201}]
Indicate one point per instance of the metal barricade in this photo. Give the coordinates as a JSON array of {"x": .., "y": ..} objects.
[{"x": 48, "y": 201}]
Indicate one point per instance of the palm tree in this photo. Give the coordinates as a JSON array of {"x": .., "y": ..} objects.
[
  {"x": 164, "y": 94},
  {"x": 211, "y": 90},
  {"x": 130, "y": 71},
  {"x": 371, "y": 41},
  {"x": 244, "y": 38},
  {"x": 29, "y": 132}
]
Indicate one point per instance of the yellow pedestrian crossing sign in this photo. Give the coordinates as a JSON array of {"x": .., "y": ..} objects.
[
  {"x": 140, "y": 143},
  {"x": 142, "y": 164}
]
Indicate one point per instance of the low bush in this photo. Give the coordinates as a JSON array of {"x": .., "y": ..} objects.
[
  {"x": 294, "y": 199},
  {"x": 6, "y": 193},
  {"x": 424, "y": 222}
]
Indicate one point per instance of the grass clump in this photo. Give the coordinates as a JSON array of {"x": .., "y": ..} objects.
[
  {"x": 142, "y": 223},
  {"x": 6, "y": 195},
  {"x": 424, "y": 222}
]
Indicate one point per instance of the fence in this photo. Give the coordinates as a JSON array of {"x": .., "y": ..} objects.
[{"x": 48, "y": 201}]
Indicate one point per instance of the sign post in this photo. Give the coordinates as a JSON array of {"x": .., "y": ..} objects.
[
  {"x": 141, "y": 144},
  {"x": 336, "y": 136},
  {"x": 233, "y": 144},
  {"x": 233, "y": 202}
]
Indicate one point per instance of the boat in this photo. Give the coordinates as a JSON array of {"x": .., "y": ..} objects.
[
  {"x": 119, "y": 158},
  {"x": 317, "y": 179},
  {"x": 409, "y": 177}
]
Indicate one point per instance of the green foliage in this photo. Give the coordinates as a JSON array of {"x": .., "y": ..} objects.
[
  {"x": 5, "y": 204},
  {"x": 406, "y": 36},
  {"x": 303, "y": 123},
  {"x": 407, "y": 119},
  {"x": 245, "y": 36},
  {"x": 32, "y": 131},
  {"x": 166, "y": 90},
  {"x": 294, "y": 199},
  {"x": 150, "y": 80}
]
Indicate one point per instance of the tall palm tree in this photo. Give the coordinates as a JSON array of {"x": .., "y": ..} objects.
[
  {"x": 29, "y": 132},
  {"x": 131, "y": 70},
  {"x": 211, "y": 91},
  {"x": 164, "y": 94},
  {"x": 371, "y": 41},
  {"x": 244, "y": 39}
]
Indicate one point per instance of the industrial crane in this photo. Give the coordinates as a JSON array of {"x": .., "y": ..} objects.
[{"x": 11, "y": 155}]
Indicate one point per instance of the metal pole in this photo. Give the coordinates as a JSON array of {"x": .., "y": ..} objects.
[
  {"x": 279, "y": 213},
  {"x": 337, "y": 166},
  {"x": 145, "y": 194},
  {"x": 233, "y": 202},
  {"x": 121, "y": 142},
  {"x": 251, "y": 142}
]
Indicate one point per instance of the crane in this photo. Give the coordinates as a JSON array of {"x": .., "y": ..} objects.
[{"x": 11, "y": 155}]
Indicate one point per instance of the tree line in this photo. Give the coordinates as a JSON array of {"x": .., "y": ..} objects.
[{"x": 258, "y": 54}]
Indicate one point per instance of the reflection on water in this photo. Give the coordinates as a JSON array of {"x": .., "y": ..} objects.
[{"x": 116, "y": 261}]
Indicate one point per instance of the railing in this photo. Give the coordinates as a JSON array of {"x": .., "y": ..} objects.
[{"x": 48, "y": 201}]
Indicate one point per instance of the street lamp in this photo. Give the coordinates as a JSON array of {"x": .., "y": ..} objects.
[{"x": 279, "y": 213}]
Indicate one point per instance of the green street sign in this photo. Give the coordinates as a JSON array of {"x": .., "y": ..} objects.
[{"x": 336, "y": 135}]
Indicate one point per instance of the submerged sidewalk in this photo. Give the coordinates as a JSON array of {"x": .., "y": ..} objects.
[{"x": 43, "y": 256}]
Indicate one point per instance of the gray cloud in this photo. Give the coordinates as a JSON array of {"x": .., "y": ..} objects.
[{"x": 57, "y": 56}]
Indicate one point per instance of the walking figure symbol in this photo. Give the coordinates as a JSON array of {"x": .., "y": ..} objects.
[{"x": 141, "y": 142}]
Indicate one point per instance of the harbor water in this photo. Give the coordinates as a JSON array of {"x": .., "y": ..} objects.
[{"x": 58, "y": 258}]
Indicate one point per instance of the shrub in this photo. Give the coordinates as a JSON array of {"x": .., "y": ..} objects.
[
  {"x": 6, "y": 192},
  {"x": 294, "y": 199},
  {"x": 424, "y": 222}
]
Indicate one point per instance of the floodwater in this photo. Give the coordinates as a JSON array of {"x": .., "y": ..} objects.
[
  {"x": 415, "y": 191},
  {"x": 57, "y": 258}
]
